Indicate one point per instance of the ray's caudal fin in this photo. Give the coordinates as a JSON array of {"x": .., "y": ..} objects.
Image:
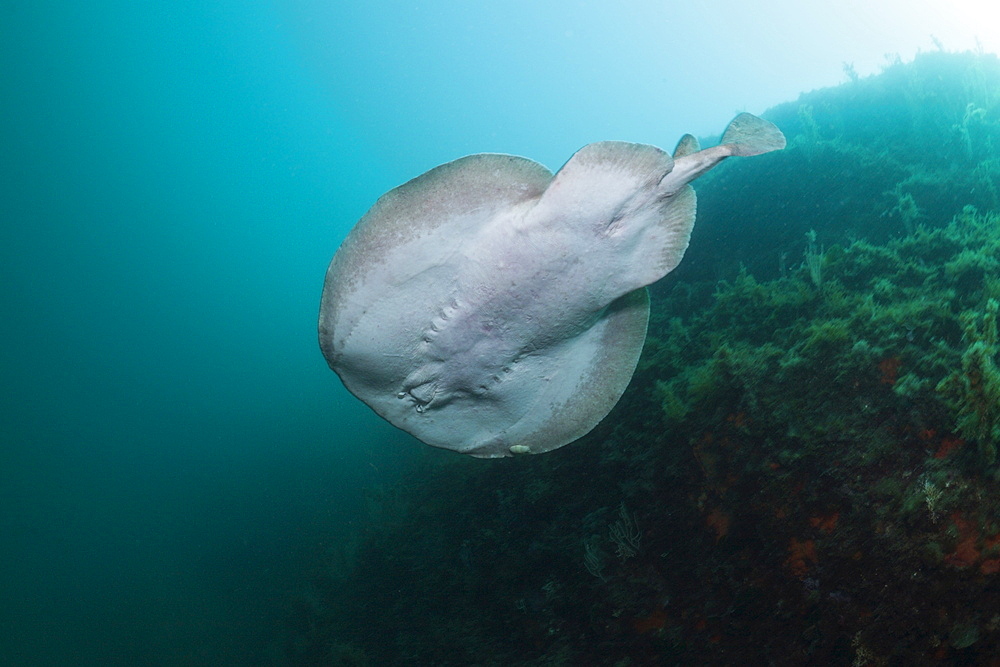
[{"x": 749, "y": 135}]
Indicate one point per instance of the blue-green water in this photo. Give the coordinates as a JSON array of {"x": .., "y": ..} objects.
[{"x": 175, "y": 455}]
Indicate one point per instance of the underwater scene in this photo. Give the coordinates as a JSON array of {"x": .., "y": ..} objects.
[
  {"x": 803, "y": 469},
  {"x": 578, "y": 397}
]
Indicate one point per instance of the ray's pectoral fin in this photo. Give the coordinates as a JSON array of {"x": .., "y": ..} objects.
[
  {"x": 657, "y": 224},
  {"x": 597, "y": 187},
  {"x": 637, "y": 199}
]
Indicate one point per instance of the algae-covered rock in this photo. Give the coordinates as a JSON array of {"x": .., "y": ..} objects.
[
  {"x": 889, "y": 324},
  {"x": 973, "y": 391}
]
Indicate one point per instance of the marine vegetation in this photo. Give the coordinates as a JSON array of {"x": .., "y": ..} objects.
[{"x": 804, "y": 468}]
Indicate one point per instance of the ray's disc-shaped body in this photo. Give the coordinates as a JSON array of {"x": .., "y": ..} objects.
[{"x": 492, "y": 308}]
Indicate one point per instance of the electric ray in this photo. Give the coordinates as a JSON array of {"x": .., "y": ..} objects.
[{"x": 492, "y": 308}]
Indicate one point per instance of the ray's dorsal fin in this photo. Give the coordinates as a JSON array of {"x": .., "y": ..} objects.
[
  {"x": 686, "y": 146},
  {"x": 746, "y": 135}
]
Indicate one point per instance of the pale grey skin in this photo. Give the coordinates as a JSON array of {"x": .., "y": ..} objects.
[{"x": 492, "y": 308}]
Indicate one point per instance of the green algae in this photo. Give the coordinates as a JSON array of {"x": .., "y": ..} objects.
[
  {"x": 973, "y": 391},
  {"x": 908, "y": 326}
]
